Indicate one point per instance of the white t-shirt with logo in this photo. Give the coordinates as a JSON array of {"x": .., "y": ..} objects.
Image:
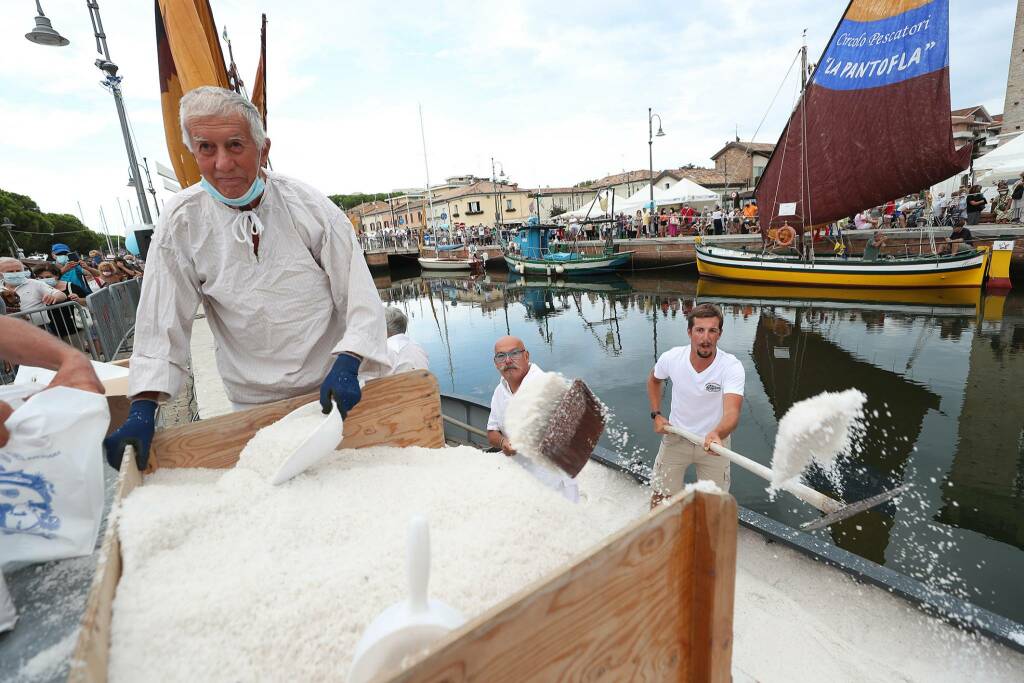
[{"x": 698, "y": 397}]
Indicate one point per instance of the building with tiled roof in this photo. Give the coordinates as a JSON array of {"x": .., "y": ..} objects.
[
  {"x": 974, "y": 125},
  {"x": 554, "y": 201},
  {"x": 482, "y": 203}
]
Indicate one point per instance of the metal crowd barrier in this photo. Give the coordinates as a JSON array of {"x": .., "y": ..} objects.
[{"x": 113, "y": 310}]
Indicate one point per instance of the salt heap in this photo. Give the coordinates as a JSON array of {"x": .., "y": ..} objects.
[
  {"x": 528, "y": 413},
  {"x": 817, "y": 429},
  {"x": 228, "y": 577}
]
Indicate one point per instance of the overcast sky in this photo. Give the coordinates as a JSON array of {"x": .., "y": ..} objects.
[{"x": 556, "y": 91}]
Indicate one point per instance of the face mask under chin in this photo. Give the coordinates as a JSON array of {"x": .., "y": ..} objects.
[{"x": 251, "y": 195}]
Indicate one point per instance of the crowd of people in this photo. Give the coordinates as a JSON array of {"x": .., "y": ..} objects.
[{"x": 38, "y": 290}]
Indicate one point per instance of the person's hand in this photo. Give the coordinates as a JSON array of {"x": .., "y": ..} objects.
[
  {"x": 659, "y": 424},
  {"x": 76, "y": 371},
  {"x": 5, "y": 412},
  {"x": 51, "y": 298},
  {"x": 341, "y": 385},
  {"x": 710, "y": 438},
  {"x": 72, "y": 296},
  {"x": 137, "y": 431},
  {"x": 506, "y": 447}
]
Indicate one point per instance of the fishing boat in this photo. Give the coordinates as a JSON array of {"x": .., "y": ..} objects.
[
  {"x": 846, "y": 148},
  {"x": 933, "y": 301},
  {"x": 447, "y": 260},
  {"x": 533, "y": 253}
]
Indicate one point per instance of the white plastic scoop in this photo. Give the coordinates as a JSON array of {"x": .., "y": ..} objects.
[
  {"x": 407, "y": 627},
  {"x": 321, "y": 442}
]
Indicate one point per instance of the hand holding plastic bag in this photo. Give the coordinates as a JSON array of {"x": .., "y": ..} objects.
[{"x": 51, "y": 477}]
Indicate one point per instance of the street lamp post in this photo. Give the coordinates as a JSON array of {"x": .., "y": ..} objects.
[
  {"x": 9, "y": 226},
  {"x": 499, "y": 214},
  {"x": 44, "y": 34},
  {"x": 650, "y": 151}
]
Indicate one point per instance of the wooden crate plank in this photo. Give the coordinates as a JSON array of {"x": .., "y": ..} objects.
[
  {"x": 401, "y": 410},
  {"x": 615, "y": 615},
  {"x": 711, "y": 588},
  {"x": 91, "y": 656}
]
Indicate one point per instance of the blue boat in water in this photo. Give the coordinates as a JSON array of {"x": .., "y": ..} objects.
[{"x": 530, "y": 252}]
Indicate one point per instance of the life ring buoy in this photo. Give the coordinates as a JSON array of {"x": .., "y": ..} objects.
[
  {"x": 559, "y": 269},
  {"x": 785, "y": 236}
]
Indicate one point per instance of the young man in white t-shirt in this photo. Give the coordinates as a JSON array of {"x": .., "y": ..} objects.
[{"x": 707, "y": 396}]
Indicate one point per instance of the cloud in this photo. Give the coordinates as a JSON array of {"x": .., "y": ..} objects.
[{"x": 557, "y": 92}]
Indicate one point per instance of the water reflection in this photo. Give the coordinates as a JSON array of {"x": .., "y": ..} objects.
[{"x": 941, "y": 367}]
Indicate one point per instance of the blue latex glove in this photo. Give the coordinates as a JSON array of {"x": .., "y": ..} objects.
[
  {"x": 341, "y": 385},
  {"x": 136, "y": 431}
]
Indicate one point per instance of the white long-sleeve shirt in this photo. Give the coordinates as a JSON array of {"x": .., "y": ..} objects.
[
  {"x": 278, "y": 318},
  {"x": 405, "y": 354}
]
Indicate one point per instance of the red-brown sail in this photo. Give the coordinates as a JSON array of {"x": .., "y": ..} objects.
[{"x": 874, "y": 121}]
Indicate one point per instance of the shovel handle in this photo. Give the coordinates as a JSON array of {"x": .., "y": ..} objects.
[
  {"x": 418, "y": 550},
  {"x": 804, "y": 493}
]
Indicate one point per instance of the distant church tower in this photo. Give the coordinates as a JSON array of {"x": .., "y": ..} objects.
[{"x": 1013, "y": 108}]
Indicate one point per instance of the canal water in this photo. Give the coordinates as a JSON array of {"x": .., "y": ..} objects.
[{"x": 942, "y": 369}]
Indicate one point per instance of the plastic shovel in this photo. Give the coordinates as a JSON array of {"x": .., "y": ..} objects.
[
  {"x": 321, "y": 442},
  {"x": 408, "y": 627}
]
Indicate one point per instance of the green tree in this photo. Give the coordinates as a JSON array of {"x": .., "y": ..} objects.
[
  {"x": 347, "y": 201},
  {"x": 35, "y": 232}
]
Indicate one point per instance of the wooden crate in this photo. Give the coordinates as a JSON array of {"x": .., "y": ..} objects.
[{"x": 654, "y": 602}]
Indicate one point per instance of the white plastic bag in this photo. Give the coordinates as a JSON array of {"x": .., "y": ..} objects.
[{"x": 51, "y": 477}]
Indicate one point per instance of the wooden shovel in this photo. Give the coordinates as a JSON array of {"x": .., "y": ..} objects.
[
  {"x": 833, "y": 509},
  {"x": 804, "y": 493},
  {"x": 574, "y": 427}
]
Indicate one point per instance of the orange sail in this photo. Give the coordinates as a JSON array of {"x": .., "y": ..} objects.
[{"x": 189, "y": 56}]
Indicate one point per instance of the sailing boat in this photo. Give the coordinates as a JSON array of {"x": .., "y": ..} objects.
[{"x": 872, "y": 123}]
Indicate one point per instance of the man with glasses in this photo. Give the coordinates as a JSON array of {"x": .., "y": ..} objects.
[{"x": 513, "y": 363}]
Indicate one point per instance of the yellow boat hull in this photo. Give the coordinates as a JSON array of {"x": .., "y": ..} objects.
[{"x": 726, "y": 264}]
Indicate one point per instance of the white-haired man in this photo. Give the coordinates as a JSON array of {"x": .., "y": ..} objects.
[
  {"x": 277, "y": 267},
  {"x": 30, "y": 294},
  {"x": 403, "y": 352}
]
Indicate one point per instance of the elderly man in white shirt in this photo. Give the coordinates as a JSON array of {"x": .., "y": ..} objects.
[
  {"x": 276, "y": 266},
  {"x": 31, "y": 293},
  {"x": 513, "y": 362},
  {"x": 403, "y": 353}
]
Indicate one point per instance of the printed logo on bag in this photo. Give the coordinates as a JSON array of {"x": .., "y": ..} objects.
[
  {"x": 712, "y": 387},
  {"x": 26, "y": 504}
]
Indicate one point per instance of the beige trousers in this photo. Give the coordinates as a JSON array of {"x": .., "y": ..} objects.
[{"x": 676, "y": 454}]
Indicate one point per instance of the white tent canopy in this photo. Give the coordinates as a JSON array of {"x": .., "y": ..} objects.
[
  {"x": 684, "y": 191},
  {"x": 1005, "y": 162},
  {"x": 592, "y": 209}
]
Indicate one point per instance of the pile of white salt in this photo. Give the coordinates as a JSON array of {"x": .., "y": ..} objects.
[
  {"x": 228, "y": 577},
  {"x": 527, "y": 418},
  {"x": 818, "y": 429}
]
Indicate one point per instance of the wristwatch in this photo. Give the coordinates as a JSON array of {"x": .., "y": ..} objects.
[{"x": 655, "y": 413}]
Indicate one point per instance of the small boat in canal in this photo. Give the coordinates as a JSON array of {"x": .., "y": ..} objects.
[
  {"x": 846, "y": 149},
  {"x": 447, "y": 260},
  {"x": 963, "y": 269},
  {"x": 531, "y": 252},
  {"x": 927, "y": 301}
]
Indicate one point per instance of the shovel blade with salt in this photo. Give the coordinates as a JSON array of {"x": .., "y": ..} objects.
[{"x": 575, "y": 425}]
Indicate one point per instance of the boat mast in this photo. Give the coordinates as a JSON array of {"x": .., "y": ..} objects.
[
  {"x": 426, "y": 170},
  {"x": 803, "y": 63},
  {"x": 805, "y": 185}
]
